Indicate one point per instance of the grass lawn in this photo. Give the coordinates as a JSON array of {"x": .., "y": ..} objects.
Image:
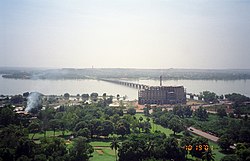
[
  {"x": 167, "y": 131},
  {"x": 100, "y": 143},
  {"x": 216, "y": 150},
  {"x": 49, "y": 134},
  {"x": 102, "y": 151}
]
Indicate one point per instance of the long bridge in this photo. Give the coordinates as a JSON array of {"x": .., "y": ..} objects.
[
  {"x": 128, "y": 84},
  {"x": 142, "y": 86}
]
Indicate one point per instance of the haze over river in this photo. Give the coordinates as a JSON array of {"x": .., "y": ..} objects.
[{"x": 59, "y": 87}]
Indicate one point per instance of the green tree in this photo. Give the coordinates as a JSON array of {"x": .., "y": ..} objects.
[
  {"x": 26, "y": 94},
  {"x": 107, "y": 128},
  {"x": 221, "y": 112},
  {"x": 231, "y": 157},
  {"x": 45, "y": 116},
  {"x": 54, "y": 148},
  {"x": 198, "y": 147},
  {"x": 243, "y": 152},
  {"x": 201, "y": 114},
  {"x": 114, "y": 145},
  {"x": 169, "y": 149},
  {"x": 94, "y": 96},
  {"x": 131, "y": 111},
  {"x": 176, "y": 124},
  {"x": 23, "y": 158},
  {"x": 178, "y": 110},
  {"x": 133, "y": 149},
  {"x": 146, "y": 111},
  {"x": 40, "y": 157},
  {"x": 187, "y": 111},
  {"x": 85, "y": 132},
  {"x": 81, "y": 150},
  {"x": 80, "y": 125},
  {"x": 54, "y": 124},
  {"x": 34, "y": 127},
  {"x": 17, "y": 99},
  {"x": 6, "y": 116},
  {"x": 225, "y": 142},
  {"x": 140, "y": 119},
  {"x": 122, "y": 127},
  {"x": 244, "y": 134},
  {"x": 15, "y": 143},
  {"x": 85, "y": 97},
  {"x": 118, "y": 97},
  {"x": 209, "y": 96},
  {"x": 208, "y": 155},
  {"x": 66, "y": 95},
  {"x": 78, "y": 97},
  {"x": 147, "y": 127},
  {"x": 186, "y": 142}
]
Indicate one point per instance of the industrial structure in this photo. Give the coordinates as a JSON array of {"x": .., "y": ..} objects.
[
  {"x": 162, "y": 95},
  {"x": 156, "y": 94}
]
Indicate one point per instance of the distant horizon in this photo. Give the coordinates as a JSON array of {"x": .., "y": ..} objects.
[{"x": 125, "y": 68}]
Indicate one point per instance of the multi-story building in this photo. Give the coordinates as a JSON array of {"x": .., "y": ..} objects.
[{"x": 162, "y": 95}]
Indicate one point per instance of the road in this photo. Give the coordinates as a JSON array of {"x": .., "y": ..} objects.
[{"x": 203, "y": 134}]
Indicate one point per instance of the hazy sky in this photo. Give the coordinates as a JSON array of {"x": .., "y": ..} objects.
[{"x": 125, "y": 33}]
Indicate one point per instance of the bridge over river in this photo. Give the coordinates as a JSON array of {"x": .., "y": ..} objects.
[
  {"x": 128, "y": 84},
  {"x": 143, "y": 86}
]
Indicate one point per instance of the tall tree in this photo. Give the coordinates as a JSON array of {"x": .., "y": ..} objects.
[
  {"x": 85, "y": 97},
  {"x": 208, "y": 155},
  {"x": 198, "y": 147},
  {"x": 114, "y": 145},
  {"x": 221, "y": 112},
  {"x": 54, "y": 148},
  {"x": 34, "y": 127},
  {"x": 201, "y": 114},
  {"x": 225, "y": 142},
  {"x": 81, "y": 150},
  {"x": 176, "y": 124},
  {"x": 54, "y": 124},
  {"x": 209, "y": 96},
  {"x": 131, "y": 111},
  {"x": 122, "y": 127},
  {"x": 66, "y": 95}
]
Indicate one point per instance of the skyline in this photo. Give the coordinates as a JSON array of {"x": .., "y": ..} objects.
[{"x": 125, "y": 34}]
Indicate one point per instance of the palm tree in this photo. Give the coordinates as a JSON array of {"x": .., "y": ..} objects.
[
  {"x": 150, "y": 147},
  {"x": 114, "y": 145},
  {"x": 140, "y": 119},
  {"x": 118, "y": 97},
  {"x": 208, "y": 155}
]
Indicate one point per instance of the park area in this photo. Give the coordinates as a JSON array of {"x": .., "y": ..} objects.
[{"x": 102, "y": 149}]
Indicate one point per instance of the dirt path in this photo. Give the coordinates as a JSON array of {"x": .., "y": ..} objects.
[{"x": 99, "y": 152}]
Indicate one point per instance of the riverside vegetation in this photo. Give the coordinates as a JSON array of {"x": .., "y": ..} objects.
[{"x": 88, "y": 131}]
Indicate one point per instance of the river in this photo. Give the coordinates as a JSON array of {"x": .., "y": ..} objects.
[{"x": 59, "y": 87}]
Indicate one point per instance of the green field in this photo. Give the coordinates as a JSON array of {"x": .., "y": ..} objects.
[
  {"x": 100, "y": 144},
  {"x": 49, "y": 134},
  {"x": 102, "y": 151},
  {"x": 167, "y": 131},
  {"x": 216, "y": 150}
]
